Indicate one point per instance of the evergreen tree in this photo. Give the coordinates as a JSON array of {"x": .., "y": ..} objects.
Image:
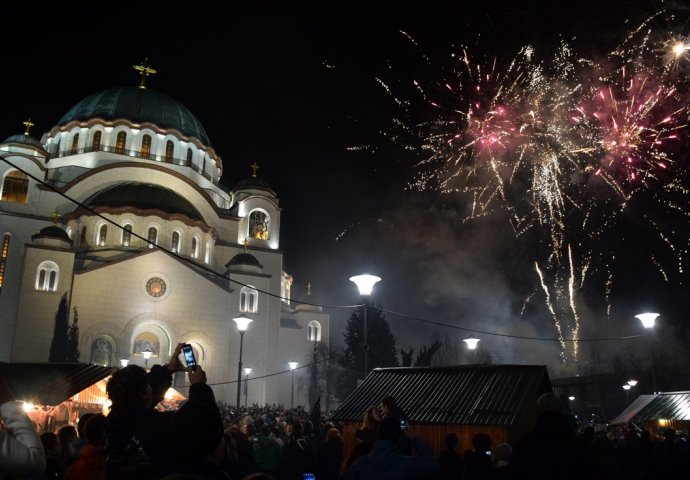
[
  {"x": 72, "y": 352},
  {"x": 382, "y": 349},
  {"x": 313, "y": 390},
  {"x": 58, "y": 346},
  {"x": 426, "y": 354}
]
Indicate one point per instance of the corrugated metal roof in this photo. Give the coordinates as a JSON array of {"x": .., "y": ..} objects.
[
  {"x": 667, "y": 406},
  {"x": 461, "y": 395},
  {"x": 51, "y": 383}
]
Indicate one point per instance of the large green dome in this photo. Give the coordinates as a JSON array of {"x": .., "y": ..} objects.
[{"x": 138, "y": 105}]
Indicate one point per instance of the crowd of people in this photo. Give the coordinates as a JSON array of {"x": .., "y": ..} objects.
[{"x": 202, "y": 440}]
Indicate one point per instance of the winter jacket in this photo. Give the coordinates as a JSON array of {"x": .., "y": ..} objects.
[
  {"x": 21, "y": 450},
  {"x": 386, "y": 462},
  {"x": 89, "y": 466}
]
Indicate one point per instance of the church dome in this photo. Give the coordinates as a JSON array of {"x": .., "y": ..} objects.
[
  {"x": 244, "y": 259},
  {"x": 24, "y": 140},
  {"x": 52, "y": 232},
  {"x": 139, "y": 105},
  {"x": 144, "y": 196}
]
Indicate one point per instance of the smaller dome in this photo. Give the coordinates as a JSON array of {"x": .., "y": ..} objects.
[
  {"x": 244, "y": 259},
  {"x": 52, "y": 231},
  {"x": 25, "y": 140},
  {"x": 253, "y": 182}
]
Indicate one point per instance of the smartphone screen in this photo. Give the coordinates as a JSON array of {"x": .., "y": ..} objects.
[
  {"x": 189, "y": 358},
  {"x": 308, "y": 476}
]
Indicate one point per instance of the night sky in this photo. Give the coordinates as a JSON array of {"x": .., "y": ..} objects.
[{"x": 292, "y": 87}]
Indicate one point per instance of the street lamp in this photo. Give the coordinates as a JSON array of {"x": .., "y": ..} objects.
[
  {"x": 292, "y": 366},
  {"x": 242, "y": 322},
  {"x": 632, "y": 383},
  {"x": 247, "y": 371},
  {"x": 647, "y": 320},
  {"x": 627, "y": 388},
  {"x": 471, "y": 342},
  {"x": 147, "y": 354},
  {"x": 365, "y": 284},
  {"x": 124, "y": 362}
]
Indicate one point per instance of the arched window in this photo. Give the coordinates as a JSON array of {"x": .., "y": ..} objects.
[
  {"x": 102, "y": 352},
  {"x": 47, "y": 276},
  {"x": 195, "y": 248},
  {"x": 146, "y": 146},
  {"x": 82, "y": 237},
  {"x": 169, "y": 150},
  {"x": 207, "y": 254},
  {"x": 96, "y": 142},
  {"x": 75, "y": 143},
  {"x": 4, "y": 253},
  {"x": 102, "y": 233},
  {"x": 175, "y": 246},
  {"x": 153, "y": 237},
  {"x": 121, "y": 142},
  {"x": 314, "y": 331},
  {"x": 15, "y": 187},
  {"x": 249, "y": 300},
  {"x": 258, "y": 225},
  {"x": 127, "y": 235},
  {"x": 189, "y": 156}
]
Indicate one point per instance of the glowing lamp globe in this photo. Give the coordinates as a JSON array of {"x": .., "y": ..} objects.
[
  {"x": 247, "y": 371},
  {"x": 471, "y": 342},
  {"x": 365, "y": 283},
  {"x": 647, "y": 319},
  {"x": 571, "y": 398},
  {"x": 147, "y": 354},
  {"x": 124, "y": 362},
  {"x": 242, "y": 322},
  {"x": 632, "y": 383},
  {"x": 292, "y": 365},
  {"x": 626, "y": 387}
]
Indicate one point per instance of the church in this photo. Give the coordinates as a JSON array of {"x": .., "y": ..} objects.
[{"x": 118, "y": 212}]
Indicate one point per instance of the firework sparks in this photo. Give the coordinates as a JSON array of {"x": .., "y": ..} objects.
[{"x": 556, "y": 144}]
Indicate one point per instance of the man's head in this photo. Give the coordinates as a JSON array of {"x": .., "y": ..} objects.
[
  {"x": 387, "y": 404},
  {"x": 129, "y": 388},
  {"x": 548, "y": 403}
]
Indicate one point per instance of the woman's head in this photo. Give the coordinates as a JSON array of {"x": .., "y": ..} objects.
[{"x": 371, "y": 417}]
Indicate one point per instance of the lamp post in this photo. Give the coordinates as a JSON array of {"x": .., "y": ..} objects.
[
  {"x": 247, "y": 371},
  {"x": 365, "y": 284},
  {"x": 124, "y": 362},
  {"x": 471, "y": 342},
  {"x": 147, "y": 354},
  {"x": 627, "y": 388},
  {"x": 292, "y": 366},
  {"x": 242, "y": 323},
  {"x": 647, "y": 320}
]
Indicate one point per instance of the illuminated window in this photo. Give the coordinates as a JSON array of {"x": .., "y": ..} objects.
[
  {"x": 169, "y": 149},
  {"x": 258, "y": 225},
  {"x": 195, "y": 248},
  {"x": 175, "y": 246},
  {"x": 120, "y": 143},
  {"x": 314, "y": 331},
  {"x": 102, "y": 233},
  {"x": 249, "y": 300},
  {"x": 146, "y": 146},
  {"x": 75, "y": 143},
  {"x": 102, "y": 351},
  {"x": 47, "y": 276},
  {"x": 3, "y": 257},
  {"x": 96, "y": 142},
  {"x": 15, "y": 187},
  {"x": 189, "y": 156},
  {"x": 207, "y": 256},
  {"x": 127, "y": 235},
  {"x": 153, "y": 237}
]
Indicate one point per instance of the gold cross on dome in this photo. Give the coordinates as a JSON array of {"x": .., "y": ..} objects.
[
  {"x": 308, "y": 288},
  {"x": 28, "y": 124},
  {"x": 144, "y": 70},
  {"x": 254, "y": 166},
  {"x": 246, "y": 242},
  {"x": 56, "y": 217}
]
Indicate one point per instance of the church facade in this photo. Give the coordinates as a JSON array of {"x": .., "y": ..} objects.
[{"x": 118, "y": 211}]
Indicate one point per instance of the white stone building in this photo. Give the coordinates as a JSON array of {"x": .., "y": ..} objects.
[{"x": 119, "y": 206}]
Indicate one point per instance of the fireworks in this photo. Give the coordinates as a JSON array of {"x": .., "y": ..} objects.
[{"x": 559, "y": 148}]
